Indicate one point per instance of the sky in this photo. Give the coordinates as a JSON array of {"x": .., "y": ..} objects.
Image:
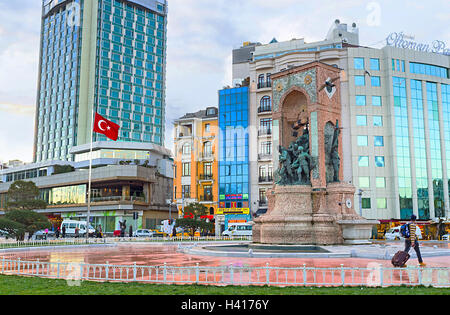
[{"x": 201, "y": 37}]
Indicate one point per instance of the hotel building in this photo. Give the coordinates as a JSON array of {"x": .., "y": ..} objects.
[
  {"x": 395, "y": 120},
  {"x": 106, "y": 55}
]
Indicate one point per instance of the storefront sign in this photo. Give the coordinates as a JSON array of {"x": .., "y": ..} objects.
[
  {"x": 233, "y": 211},
  {"x": 401, "y": 40}
]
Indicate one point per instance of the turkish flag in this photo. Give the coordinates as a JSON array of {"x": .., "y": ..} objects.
[{"x": 106, "y": 127}]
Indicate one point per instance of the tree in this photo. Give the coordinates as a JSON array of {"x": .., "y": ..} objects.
[
  {"x": 193, "y": 221},
  {"x": 20, "y": 217},
  {"x": 18, "y": 222},
  {"x": 23, "y": 195}
]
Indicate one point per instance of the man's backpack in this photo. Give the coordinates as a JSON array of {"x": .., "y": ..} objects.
[{"x": 404, "y": 231}]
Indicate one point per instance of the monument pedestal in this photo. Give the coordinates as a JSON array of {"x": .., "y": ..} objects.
[{"x": 301, "y": 215}]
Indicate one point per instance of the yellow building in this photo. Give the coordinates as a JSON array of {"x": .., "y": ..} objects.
[{"x": 196, "y": 143}]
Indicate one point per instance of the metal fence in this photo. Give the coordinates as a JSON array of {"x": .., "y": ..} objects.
[
  {"x": 5, "y": 244},
  {"x": 373, "y": 276}
]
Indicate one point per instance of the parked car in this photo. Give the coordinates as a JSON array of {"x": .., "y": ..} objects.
[
  {"x": 394, "y": 234},
  {"x": 446, "y": 237},
  {"x": 143, "y": 233},
  {"x": 41, "y": 235}
]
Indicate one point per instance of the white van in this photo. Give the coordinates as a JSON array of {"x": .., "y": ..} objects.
[
  {"x": 71, "y": 225},
  {"x": 239, "y": 229}
]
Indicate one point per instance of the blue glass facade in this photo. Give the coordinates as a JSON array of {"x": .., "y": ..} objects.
[
  {"x": 129, "y": 86},
  {"x": 233, "y": 152},
  {"x": 58, "y": 91},
  {"x": 421, "y": 68},
  {"x": 435, "y": 148},
  {"x": 420, "y": 149},
  {"x": 402, "y": 145},
  {"x": 445, "y": 92},
  {"x": 130, "y": 70}
]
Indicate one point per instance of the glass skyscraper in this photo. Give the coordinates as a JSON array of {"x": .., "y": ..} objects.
[
  {"x": 106, "y": 54},
  {"x": 234, "y": 154}
]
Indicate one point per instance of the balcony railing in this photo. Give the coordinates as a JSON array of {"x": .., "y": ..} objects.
[
  {"x": 118, "y": 198},
  {"x": 206, "y": 198},
  {"x": 207, "y": 155},
  {"x": 264, "y": 109},
  {"x": 265, "y": 179},
  {"x": 264, "y": 132},
  {"x": 205, "y": 177},
  {"x": 263, "y": 85},
  {"x": 265, "y": 156}
]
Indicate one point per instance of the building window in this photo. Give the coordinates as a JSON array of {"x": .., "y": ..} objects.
[
  {"x": 366, "y": 203},
  {"x": 186, "y": 191},
  {"x": 186, "y": 169},
  {"x": 362, "y": 141},
  {"x": 375, "y": 64},
  {"x": 360, "y": 100},
  {"x": 378, "y": 121},
  {"x": 361, "y": 120},
  {"x": 420, "y": 68},
  {"x": 364, "y": 182},
  {"x": 266, "y": 148},
  {"x": 207, "y": 127},
  {"x": 261, "y": 83},
  {"x": 207, "y": 169},
  {"x": 363, "y": 161},
  {"x": 265, "y": 104},
  {"x": 381, "y": 203},
  {"x": 207, "y": 148},
  {"x": 376, "y": 101},
  {"x": 379, "y": 161},
  {"x": 360, "y": 80},
  {"x": 381, "y": 182},
  {"x": 376, "y": 81},
  {"x": 187, "y": 148},
  {"x": 379, "y": 141},
  {"x": 359, "y": 63}
]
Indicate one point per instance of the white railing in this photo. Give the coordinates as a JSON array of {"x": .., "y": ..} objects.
[
  {"x": 5, "y": 244},
  {"x": 373, "y": 276}
]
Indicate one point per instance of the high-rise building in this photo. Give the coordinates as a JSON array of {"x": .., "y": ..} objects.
[
  {"x": 196, "y": 160},
  {"x": 109, "y": 55}
]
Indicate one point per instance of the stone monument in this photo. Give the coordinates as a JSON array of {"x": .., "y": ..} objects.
[{"x": 309, "y": 203}]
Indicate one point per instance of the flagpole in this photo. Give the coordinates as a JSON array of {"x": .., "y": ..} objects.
[{"x": 90, "y": 177}]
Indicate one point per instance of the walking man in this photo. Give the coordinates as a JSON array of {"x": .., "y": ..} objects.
[{"x": 412, "y": 240}]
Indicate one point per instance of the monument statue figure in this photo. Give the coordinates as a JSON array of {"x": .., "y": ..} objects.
[{"x": 303, "y": 166}]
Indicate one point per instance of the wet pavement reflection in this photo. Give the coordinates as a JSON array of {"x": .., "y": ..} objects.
[{"x": 157, "y": 255}]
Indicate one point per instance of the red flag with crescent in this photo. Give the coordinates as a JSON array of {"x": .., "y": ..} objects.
[{"x": 106, "y": 127}]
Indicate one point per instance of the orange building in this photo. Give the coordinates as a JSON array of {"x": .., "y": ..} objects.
[{"x": 196, "y": 143}]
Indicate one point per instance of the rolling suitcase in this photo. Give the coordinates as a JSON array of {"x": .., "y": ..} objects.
[{"x": 400, "y": 259}]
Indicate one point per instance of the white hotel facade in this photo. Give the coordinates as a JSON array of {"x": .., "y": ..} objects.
[{"x": 395, "y": 119}]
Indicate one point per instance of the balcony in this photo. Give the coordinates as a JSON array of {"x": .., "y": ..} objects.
[
  {"x": 265, "y": 132},
  {"x": 265, "y": 157},
  {"x": 206, "y": 177},
  {"x": 207, "y": 156},
  {"x": 265, "y": 179},
  {"x": 206, "y": 198},
  {"x": 264, "y": 85},
  {"x": 119, "y": 198},
  {"x": 264, "y": 109}
]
